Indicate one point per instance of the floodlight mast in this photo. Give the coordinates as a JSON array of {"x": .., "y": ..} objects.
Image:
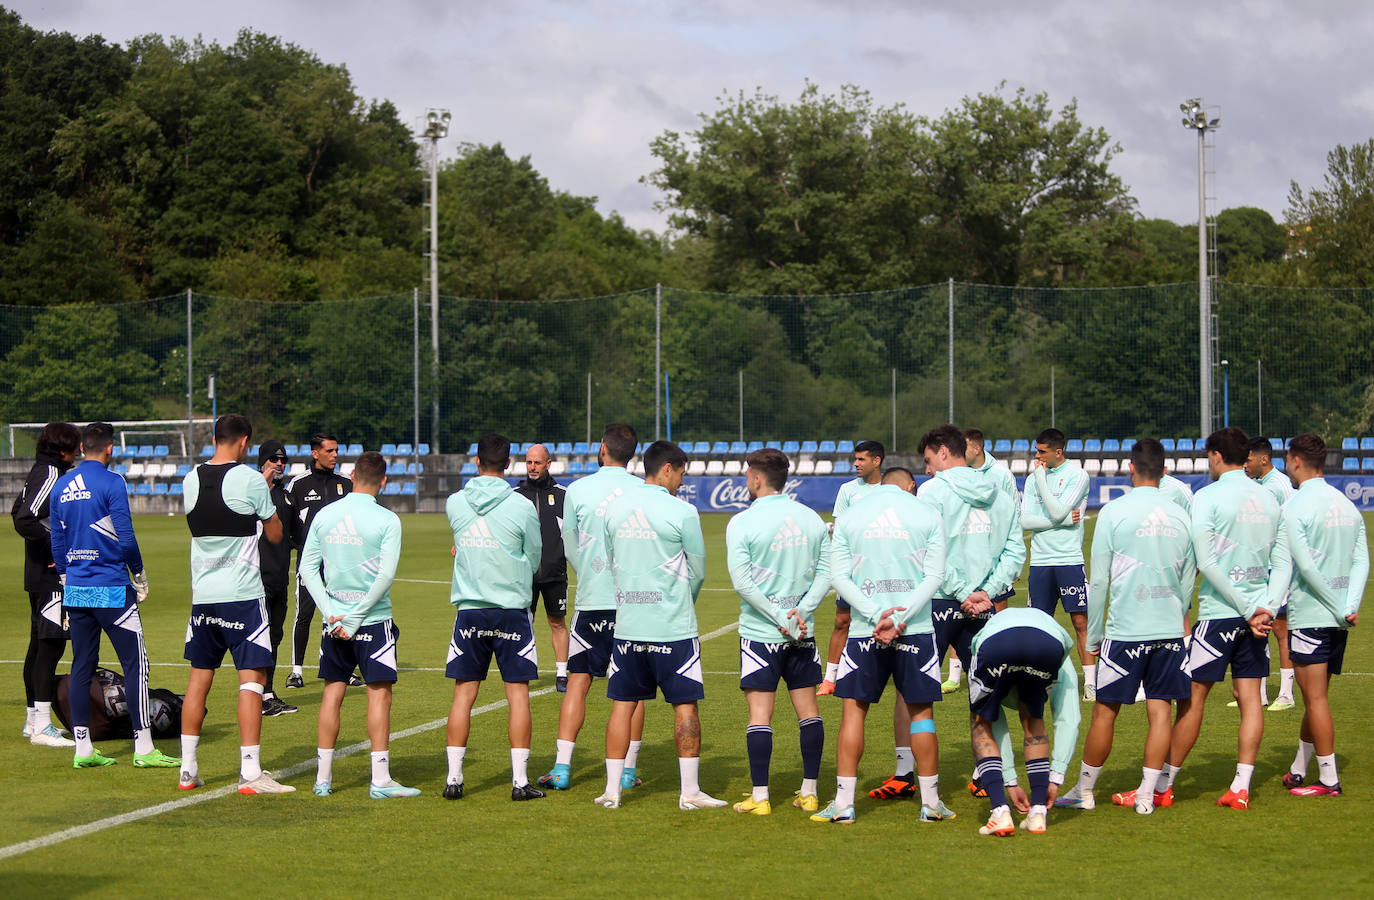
[
  {"x": 436, "y": 127},
  {"x": 1195, "y": 117}
]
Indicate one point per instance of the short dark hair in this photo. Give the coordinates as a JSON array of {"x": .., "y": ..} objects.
[
  {"x": 620, "y": 441},
  {"x": 232, "y": 426},
  {"x": 1262, "y": 446},
  {"x": 1147, "y": 455},
  {"x": 58, "y": 438},
  {"x": 1052, "y": 438},
  {"x": 973, "y": 436},
  {"x": 493, "y": 451},
  {"x": 774, "y": 465},
  {"x": 1231, "y": 443},
  {"x": 898, "y": 476},
  {"x": 1310, "y": 448},
  {"x": 318, "y": 438},
  {"x": 661, "y": 453},
  {"x": 96, "y": 436},
  {"x": 370, "y": 468},
  {"x": 946, "y": 436},
  {"x": 872, "y": 448}
]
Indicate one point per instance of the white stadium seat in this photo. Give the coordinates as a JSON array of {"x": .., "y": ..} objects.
[
  {"x": 295, "y": 470},
  {"x": 518, "y": 470},
  {"x": 1109, "y": 467},
  {"x": 636, "y": 467},
  {"x": 1019, "y": 467},
  {"x": 1092, "y": 466},
  {"x": 696, "y": 467},
  {"x": 824, "y": 467},
  {"x": 135, "y": 471},
  {"x": 558, "y": 467},
  {"x": 807, "y": 466},
  {"x": 346, "y": 469},
  {"x": 715, "y": 467},
  {"x": 733, "y": 467}
]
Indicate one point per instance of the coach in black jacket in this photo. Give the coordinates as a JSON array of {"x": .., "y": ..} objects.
[
  {"x": 59, "y": 443},
  {"x": 306, "y": 495},
  {"x": 274, "y": 561},
  {"x": 552, "y": 578}
]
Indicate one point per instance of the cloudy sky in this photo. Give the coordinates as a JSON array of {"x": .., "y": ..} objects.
[{"x": 582, "y": 87}]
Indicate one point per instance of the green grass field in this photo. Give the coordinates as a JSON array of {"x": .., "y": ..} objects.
[{"x": 217, "y": 843}]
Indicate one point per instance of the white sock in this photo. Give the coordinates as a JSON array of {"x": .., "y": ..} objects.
[
  {"x": 296, "y": 670},
  {"x": 324, "y": 764},
  {"x": 1306, "y": 750},
  {"x": 808, "y": 787},
  {"x": 250, "y": 761},
  {"x": 42, "y": 715},
  {"x": 1146, "y": 792},
  {"x": 1242, "y": 780},
  {"x": 1090, "y": 674},
  {"x": 189, "y": 743},
  {"x": 381, "y": 767},
  {"x": 632, "y": 757},
  {"x": 1035, "y": 811},
  {"x": 688, "y": 770},
  {"x": 455, "y": 764},
  {"x": 268, "y": 695},
  {"x": 614, "y": 769},
  {"x": 519, "y": 766},
  {"x": 1326, "y": 770},
  {"x": 831, "y": 671},
  {"x": 28, "y": 719},
  {"x": 1286, "y": 684},
  {"x": 760, "y": 793},
  {"x": 560, "y": 669},
  {"x": 956, "y": 668},
  {"x": 1264, "y": 691},
  {"x": 563, "y": 752},
  {"x": 906, "y": 762},
  {"x": 82, "y": 736},
  {"x": 143, "y": 741},
  {"x": 1087, "y": 778},
  {"x": 844, "y": 791},
  {"x": 930, "y": 790}
]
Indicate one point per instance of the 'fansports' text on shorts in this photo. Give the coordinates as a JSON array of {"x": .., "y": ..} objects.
[
  {"x": 372, "y": 651},
  {"x": 639, "y": 669},
  {"x": 909, "y": 662},
  {"x": 484, "y": 632},
  {"x": 763, "y": 664},
  {"x": 239, "y": 627},
  {"x": 1123, "y": 666}
]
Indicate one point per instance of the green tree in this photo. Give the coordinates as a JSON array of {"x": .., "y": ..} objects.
[{"x": 1333, "y": 225}]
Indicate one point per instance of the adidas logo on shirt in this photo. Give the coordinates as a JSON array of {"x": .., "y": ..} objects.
[
  {"x": 1336, "y": 517},
  {"x": 977, "y": 522},
  {"x": 888, "y": 526},
  {"x": 789, "y": 535},
  {"x": 479, "y": 536},
  {"x": 637, "y": 527},
  {"x": 1157, "y": 524},
  {"x": 1253, "y": 511},
  {"x": 344, "y": 533},
  {"x": 75, "y": 490}
]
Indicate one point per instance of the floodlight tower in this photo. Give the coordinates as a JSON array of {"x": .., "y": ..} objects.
[
  {"x": 1195, "y": 117},
  {"x": 436, "y": 127}
]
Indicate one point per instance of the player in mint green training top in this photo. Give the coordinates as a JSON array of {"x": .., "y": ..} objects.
[
  {"x": 1321, "y": 564},
  {"x": 868, "y": 467},
  {"x": 1260, "y": 466},
  {"x": 497, "y": 549},
  {"x": 1143, "y": 573},
  {"x": 888, "y": 560},
  {"x": 1177, "y": 490},
  {"x": 1234, "y": 524},
  {"x": 348, "y": 564},
  {"x": 1021, "y": 660},
  {"x": 778, "y": 554},
  {"x": 591, "y": 633},
  {"x": 658, "y": 556}
]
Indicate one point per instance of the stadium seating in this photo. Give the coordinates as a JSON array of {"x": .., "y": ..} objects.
[
  {"x": 134, "y": 471},
  {"x": 1092, "y": 445},
  {"x": 354, "y": 450},
  {"x": 720, "y": 448},
  {"x": 791, "y": 448},
  {"x": 582, "y": 448},
  {"x": 1367, "y": 464},
  {"x": 469, "y": 468},
  {"x": 175, "y": 489},
  {"x": 1278, "y": 463},
  {"x": 563, "y": 448},
  {"x": 209, "y": 450},
  {"x": 1111, "y": 445},
  {"x": 738, "y": 448},
  {"x": 1092, "y": 466},
  {"x": 1367, "y": 443},
  {"x": 408, "y": 488},
  {"x": 805, "y": 467},
  {"x": 1002, "y": 446},
  {"x": 1020, "y": 445},
  {"x": 424, "y": 449},
  {"x": 810, "y": 448},
  {"x": 824, "y": 467},
  {"x": 1109, "y": 467},
  {"x": 1127, "y": 444},
  {"x": 696, "y": 467},
  {"x": 715, "y": 467},
  {"x": 826, "y": 447},
  {"x": 773, "y": 445},
  {"x": 159, "y": 488},
  {"x": 734, "y": 467},
  {"x": 404, "y": 450},
  {"x": 1168, "y": 444},
  {"x": 1074, "y": 446},
  {"x": 754, "y": 445},
  {"x": 390, "y": 450},
  {"x": 845, "y": 447},
  {"x": 144, "y": 489},
  {"x": 1350, "y": 464},
  {"x": 843, "y": 467}
]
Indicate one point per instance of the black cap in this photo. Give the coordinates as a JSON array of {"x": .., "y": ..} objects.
[{"x": 271, "y": 450}]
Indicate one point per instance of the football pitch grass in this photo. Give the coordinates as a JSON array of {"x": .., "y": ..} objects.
[{"x": 121, "y": 831}]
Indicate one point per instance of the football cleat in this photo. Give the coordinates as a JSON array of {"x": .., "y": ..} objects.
[
  {"x": 1128, "y": 798},
  {"x": 559, "y": 777},
  {"x": 610, "y": 801},
  {"x": 323, "y": 788},
  {"x": 826, "y": 689},
  {"x": 754, "y": 807},
  {"x": 523, "y": 792},
  {"x": 276, "y": 706},
  {"x": 1076, "y": 799},
  {"x": 560, "y": 684},
  {"x": 155, "y": 760},
  {"x": 629, "y": 780},
  {"x": 1235, "y": 799},
  {"x": 806, "y": 802},
  {"x": 1165, "y": 797},
  {"x": 895, "y": 788},
  {"x": 976, "y": 789},
  {"x": 937, "y": 815},
  {"x": 453, "y": 790},
  {"x": 1317, "y": 790},
  {"x": 28, "y": 728},
  {"x": 355, "y": 681},
  {"x": 1281, "y": 704},
  {"x": 1034, "y": 823},
  {"x": 1089, "y": 693},
  {"x": 95, "y": 760},
  {"x": 50, "y": 737},
  {"x": 1142, "y": 808},
  {"x": 189, "y": 782},
  {"x": 392, "y": 790},
  {"x": 1292, "y": 779},
  {"x": 950, "y": 686},
  {"x": 832, "y": 816},
  {"x": 699, "y": 800},
  {"x": 1000, "y": 823},
  {"x": 294, "y": 680},
  {"x": 264, "y": 784}
]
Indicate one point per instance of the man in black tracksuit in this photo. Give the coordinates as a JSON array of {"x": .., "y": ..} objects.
[
  {"x": 552, "y": 578},
  {"x": 59, "y": 443},
  {"x": 275, "y": 563},
  {"x": 305, "y": 496}
]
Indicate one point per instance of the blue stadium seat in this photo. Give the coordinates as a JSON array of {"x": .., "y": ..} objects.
[
  {"x": 408, "y": 488},
  {"x": 563, "y": 448},
  {"x": 1127, "y": 444},
  {"x": 183, "y": 470},
  {"x": 1184, "y": 444},
  {"x": 209, "y": 450},
  {"x": 754, "y": 445},
  {"x": 1350, "y": 464},
  {"x": 472, "y": 450},
  {"x": 1073, "y": 445},
  {"x": 1092, "y": 445},
  {"x": 121, "y": 469},
  {"x": 582, "y": 448},
  {"x": 1020, "y": 445},
  {"x": 1276, "y": 444},
  {"x": 701, "y": 448},
  {"x": 404, "y": 450},
  {"x": 773, "y": 445},
  {"x": 145, "y": 451},
  {"x": 1168, "y": 444},
  {"x": 590, "y": 468},
  {"x": 737, "y": 447},
  {"x": 720, "y": 448},
  {"x": 144, "y": 489},
  {"x": 175, "y": 489},
  {"x": 791, "y": 447},
  {"x": 391, "y": 489},
  {"x": 424, "y": 449},
  {"x": 1367, "y": 443},
  {"x": 354, "y": 450},
  {"x": 1350, "y": 444},
  {"x": 161, "y": 450},
  {"x": 810, "y": 447},
  {"x": 844, "y": 447},
  {"x": 575, "y": 467},
  {"x": 129, "y": 488},
  {"x": 1111, "y": 445},
  {"x": 469, "y": 468},
  {"x": 827, "y": 447},
  {"x": 842, "y": 467},
  {"x": 390, "y": 449},
  {"x": 159, "y": 489},
  {"x": 1279, "y": 463},
  {"x": 1367, "y": 464},
  {"x": 1002, "y": 446}
]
